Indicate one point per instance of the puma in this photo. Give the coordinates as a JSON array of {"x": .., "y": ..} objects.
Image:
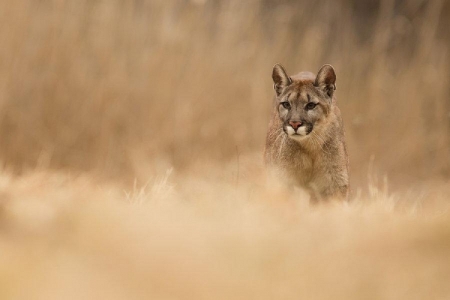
[{"x": 305, "y": 143}]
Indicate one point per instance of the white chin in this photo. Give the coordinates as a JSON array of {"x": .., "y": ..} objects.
[
  {"x": 301, "y": 133},
  {"x": 297, "y": 137}
]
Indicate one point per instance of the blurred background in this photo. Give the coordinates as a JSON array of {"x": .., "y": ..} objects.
[
  {"x": 132, "y": 136},
  {"x": 129, "y": 89}
]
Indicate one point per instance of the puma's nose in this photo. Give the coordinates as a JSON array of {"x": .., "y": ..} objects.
[{"x": 295, "y": 124}]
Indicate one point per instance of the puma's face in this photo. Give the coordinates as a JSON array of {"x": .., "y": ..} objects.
[
  {"x": 303, "y": 104},
  {"x": 301, "y": 112}
]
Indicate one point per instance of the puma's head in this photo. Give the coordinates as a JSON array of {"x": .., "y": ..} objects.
[{"x": 304, "y": 101}]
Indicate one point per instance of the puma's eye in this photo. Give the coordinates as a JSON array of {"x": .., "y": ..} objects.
[
  {"x": 310, "y": 106},
  {"x": 286, "y": 105}
]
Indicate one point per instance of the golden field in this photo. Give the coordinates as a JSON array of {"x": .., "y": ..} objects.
[{"x": 131, "y": 140}]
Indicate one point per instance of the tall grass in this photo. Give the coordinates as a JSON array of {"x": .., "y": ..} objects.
[
  {"x": 131, "y": 137},
  {"x": 106, "y": 84}
]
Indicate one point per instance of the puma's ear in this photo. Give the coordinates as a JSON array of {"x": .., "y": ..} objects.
[
  {"x": 280, "y": 79},
  {"x": 326, "y": 80}
]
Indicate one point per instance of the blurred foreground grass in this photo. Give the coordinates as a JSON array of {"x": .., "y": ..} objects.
[{"x": 70, "y": 238}]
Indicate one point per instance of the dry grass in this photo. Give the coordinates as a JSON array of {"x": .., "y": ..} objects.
[
  {"x": 66, "y": 238},
  {"x": 131, "y": 143}
]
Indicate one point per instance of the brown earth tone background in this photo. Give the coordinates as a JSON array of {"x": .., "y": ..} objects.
[
  {"x": 103, "y": 85},
  {"x": 131, "y": 139}
]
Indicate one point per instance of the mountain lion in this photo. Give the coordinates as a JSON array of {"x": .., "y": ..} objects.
[{"x": 305, "y": 144}]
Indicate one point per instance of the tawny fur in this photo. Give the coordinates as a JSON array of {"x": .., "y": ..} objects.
[{"x": 318, "y": 162}]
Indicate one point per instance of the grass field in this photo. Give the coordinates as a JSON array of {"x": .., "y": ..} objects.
[{"x": 131, "y": 139}]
